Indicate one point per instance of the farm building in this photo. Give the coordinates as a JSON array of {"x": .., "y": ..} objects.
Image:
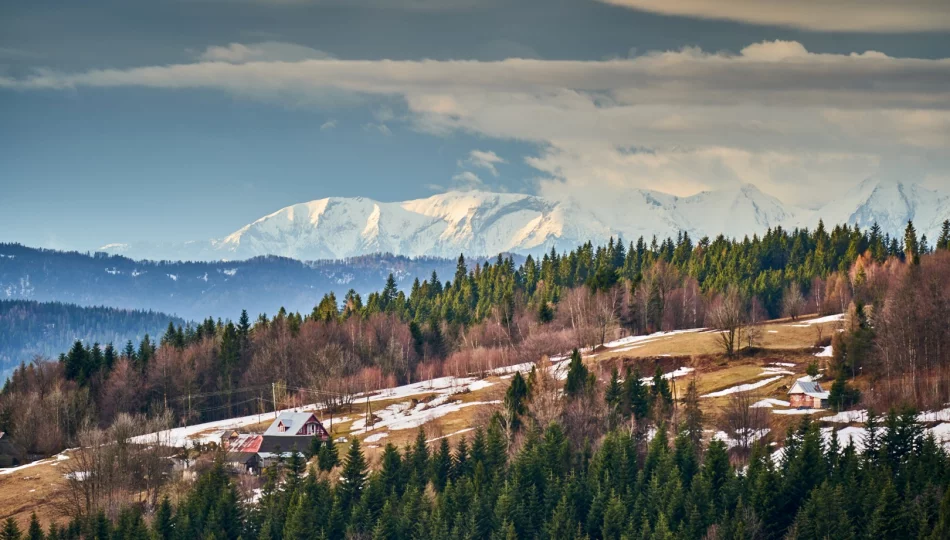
[
  {"x": 805, "y": 394},
  {"x": 292, "y": 430}
]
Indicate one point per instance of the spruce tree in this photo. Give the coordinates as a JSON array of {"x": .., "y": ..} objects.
[
  {"x": 353, "y": 476},
  {"x": 328, "y": 457},
  {"x": 577, "y": 376},
  {"x": 10, "y": 530},
  {"x": 911, "y": 247},
  {"x": 441, "y": 465},
  {"x": 35, "y": 531}
]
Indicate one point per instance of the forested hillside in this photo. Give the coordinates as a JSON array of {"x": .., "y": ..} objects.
[
  {"x": 29, "y": 329},
  {"x": 594, "y": 457},
  {"x": 551, "y": 487},
  {"x": 495, "y": 314},
  {"x": 194, "y": 290}
]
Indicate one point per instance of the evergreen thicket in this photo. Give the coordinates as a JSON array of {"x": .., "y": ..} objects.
[{"x": 628, "y": 487}]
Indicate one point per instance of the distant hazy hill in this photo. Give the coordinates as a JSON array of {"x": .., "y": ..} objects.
[
  {"x": 29, "y": 328},
  {"x": 483, "y": 223},
  {"x": 195, "y": 290}
]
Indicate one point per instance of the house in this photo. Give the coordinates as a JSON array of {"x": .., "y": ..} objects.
[
  {"x": 242, "y": 451},
  {"x": 806, "y": 394},
  {"x": 292, "y": 430}
]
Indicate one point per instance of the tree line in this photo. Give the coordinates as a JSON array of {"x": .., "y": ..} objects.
[
  {"x": 627, "y": 485},
  {"x": 493, "y": 314}
]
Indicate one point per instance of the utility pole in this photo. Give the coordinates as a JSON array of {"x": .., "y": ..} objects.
[{"x": 273, "y": 389}]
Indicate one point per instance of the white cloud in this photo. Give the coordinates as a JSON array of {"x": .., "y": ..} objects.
[
  {"x": 328, "y": 125},
  {"x": 467, "y": 180},
  {"x": 267, "y": 51},
  {"x": 378, "y": 128},
  {"x": 798, "y": 124},
  {"x": 819, "y": 15},
  {"x": 483, "y": 159}
]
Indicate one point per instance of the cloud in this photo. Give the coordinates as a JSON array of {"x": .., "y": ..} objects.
[
  {"x": 378, "y": 128},
  {"x": 328, "y": 125},
  {"x": 820, "y": 15},
  {"x": 267, "y": 51},
  {"x": 484, "y": 160},
  {"x": 467, "y": 181},
  {"x": 798, "y": 124}
]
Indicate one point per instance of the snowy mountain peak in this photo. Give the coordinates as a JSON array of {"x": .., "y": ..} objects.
[{"x": 487, "y": 223}]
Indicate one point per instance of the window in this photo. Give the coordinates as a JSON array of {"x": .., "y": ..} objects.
[{"x": 281, "y": 427}]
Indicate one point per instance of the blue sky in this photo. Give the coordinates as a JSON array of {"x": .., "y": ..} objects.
[{"x": 175, "y": 120}]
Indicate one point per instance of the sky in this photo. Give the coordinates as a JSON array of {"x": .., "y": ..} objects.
[{"x": 124, "y": 121}]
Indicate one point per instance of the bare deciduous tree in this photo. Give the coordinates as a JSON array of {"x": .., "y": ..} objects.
[
  {"x": 741, "y": 421},
  {"x": 727, "y": 315}
]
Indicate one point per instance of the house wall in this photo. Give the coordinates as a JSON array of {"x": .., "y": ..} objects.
[
  {"x": 803, "y": 400},
  {"x": 797, "y": 400}
]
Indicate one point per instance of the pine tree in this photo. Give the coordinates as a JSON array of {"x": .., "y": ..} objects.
[
  {"x": 35, "y": 531},
  {"x": 441, "y": 465},
  {"x": 943, "y": 242},
  {"x": 163, "y": 527},
  {"x": 577, "y": 376},
  {"x": 911, "y": 247},
  {"x": 888, "y": 520},
  {"x": 353, "y": 476},
  {"x": 515, "y": 400},
  {"x": 10, "y": 531},
  {"x": 328, "y": 456}
]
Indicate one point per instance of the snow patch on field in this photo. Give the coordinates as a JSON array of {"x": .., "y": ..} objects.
[
  {"x": 730, "y": 442},
  {"x": 825, "y": 352},
  {"x": 796, "y": 412},
  {"x": 819, "y": 320},
  {"x": 768, "y": 403},
  {"x": 775, "y": 371},
  {"x": 400, "y": 416},
  {"x": 376, "y": 437},
  {"x": 847, "y": 417},
  {"x": 743, "y": 387},
  {"x": 53, "y": 460},
  {"x": 629, "y": 340},
  {"x": 439, "y": 385},
  {"x": 675, "y": 374},
  {"x": 861, "y": 416}
]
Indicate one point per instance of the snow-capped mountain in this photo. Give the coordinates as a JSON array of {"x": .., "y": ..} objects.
[
  {"x": 483, "y": 223},
  {"x": 889, "y": 202}
]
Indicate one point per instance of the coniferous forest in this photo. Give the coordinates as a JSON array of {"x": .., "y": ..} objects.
[
  {"x": 553, "y": 487},
  {"x": 29, "y": 329},
  {"x": 602, "y": 459}
]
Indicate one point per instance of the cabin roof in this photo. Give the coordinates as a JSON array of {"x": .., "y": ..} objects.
[{"x": 292, "y": 421}]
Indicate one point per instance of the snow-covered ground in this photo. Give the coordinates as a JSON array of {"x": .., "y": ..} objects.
[
  {"x": 796, "y": 412},
  {"x": 743, "y": 387},
  {"x": 819, "y": 320},
  {"x": 730, "y": 442},
  {"x": 55, "y": 459},
  {"x": 825, "y": 352},
  {"x": 207, "y": 432},
  {"x": 639, "y": 340},
  {"x": 401, "y": 416},
  {"x": 768, "y": 403},
  {"x": 675, "y": 374},
  {"x": 861, "y": 416},
  {"x": 437, "y": 385}
]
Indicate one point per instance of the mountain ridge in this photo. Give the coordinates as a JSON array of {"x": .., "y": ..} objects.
[{"x": 481, "y": 223}]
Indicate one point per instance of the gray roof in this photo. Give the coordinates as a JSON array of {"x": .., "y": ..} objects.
[
  {"x": 292, "y": 420},
  {"x": 809, "y": 388}
]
